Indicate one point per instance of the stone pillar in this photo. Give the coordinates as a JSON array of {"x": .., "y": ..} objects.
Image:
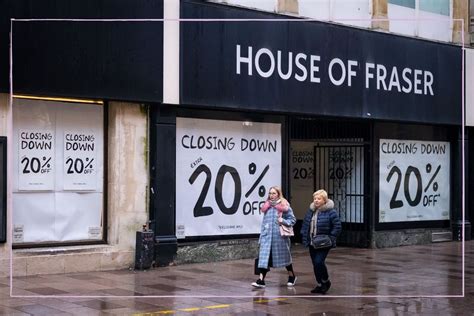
[
  {"x": 461, "y": 11},
  {"x": 379, "y": 11},
  {"x": 4, "y": 99},
  {"x": 127, "y": 173},
  {"x": 456, "y": 192},
  {"x": 288, "y": 6}
]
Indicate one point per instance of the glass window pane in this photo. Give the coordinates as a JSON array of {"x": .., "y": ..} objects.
[
  {"x": 435, "y": 6},
  {"x": 403, "y": 3},
  {"x": 58, "y": 171}
]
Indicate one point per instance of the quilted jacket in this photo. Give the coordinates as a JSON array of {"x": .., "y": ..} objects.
[{"x": 328, "y": 223}]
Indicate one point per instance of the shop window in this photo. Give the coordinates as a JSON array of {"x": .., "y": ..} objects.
[
  {"x": 354, "y": 12},
  {"x": 414, "y": 181},
  {"x": 404, "y": 3},
  {"x": 225, "y": 169},
  {"x": 58, "y": 172},
  {"x": 264, "y": 5},
  {"x": 436, "y": 6},
  {"x": 431, "y": 19}
]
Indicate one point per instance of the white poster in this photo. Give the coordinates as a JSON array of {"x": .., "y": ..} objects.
[
  {"x": 414, "y": 180},
  {"x": 301, "y": 164},
  {"x": 302, "y": 176},
  {"x": 65, "y": 211},
  {"x": 36, "y": 160},
  {"x": 223, "y": 172},
  {"x": 79, "y": 169}
]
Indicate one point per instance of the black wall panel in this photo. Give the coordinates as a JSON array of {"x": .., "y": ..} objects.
[
  {"x": 3, "y": 189},
  {"x": 111, "y": 60}
]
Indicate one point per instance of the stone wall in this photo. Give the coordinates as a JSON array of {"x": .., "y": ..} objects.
[
  {"x": 406, "y": 237},
  {"x": 217, "y": 251}
]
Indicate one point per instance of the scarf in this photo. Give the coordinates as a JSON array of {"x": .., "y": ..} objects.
[
  {"x": 313, "y": 230},
  {"x": 314, "y": 227},
  {"x": 281, "y": 205}
]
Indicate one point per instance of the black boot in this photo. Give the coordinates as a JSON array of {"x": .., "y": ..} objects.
[
  {"x": 325, "y": 286},
  {"x": 316, "y": 290}
]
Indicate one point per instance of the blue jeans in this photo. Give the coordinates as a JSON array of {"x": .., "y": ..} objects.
[{"x": 318, "y": 257}]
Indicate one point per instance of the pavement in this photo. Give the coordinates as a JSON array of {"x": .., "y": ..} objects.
[{"x": 408, "y": 280}]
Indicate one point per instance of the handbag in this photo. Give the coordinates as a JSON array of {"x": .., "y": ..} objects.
[
  {"x": 286, "y": 231},
  {"x": 321, "y": 242}
]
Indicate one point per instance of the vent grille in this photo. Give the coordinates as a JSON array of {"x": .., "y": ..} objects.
[{"x": 441, "y": 236}]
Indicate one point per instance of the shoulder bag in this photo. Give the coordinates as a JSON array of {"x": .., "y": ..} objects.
[
  {"x": 321, "y": 242},
  {"x": 286, "y": 231}
]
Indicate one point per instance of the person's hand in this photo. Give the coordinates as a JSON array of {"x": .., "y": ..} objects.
[{"x": 280, "y": 220}]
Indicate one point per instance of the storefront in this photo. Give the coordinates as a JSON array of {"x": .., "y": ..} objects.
[
  {"x": 309, "y": 105},
  {"x": 371, "y": 117}
]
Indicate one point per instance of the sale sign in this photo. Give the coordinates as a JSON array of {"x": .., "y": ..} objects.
[
  {"x": 224, "y": 170},
  {"x": 36, "y": 160},
  {"x": 414, "y": 180},
  {"x": 79, "y": 169},
  {"x": 301, "y": 165},
  {"x": 302, "y": 176}
]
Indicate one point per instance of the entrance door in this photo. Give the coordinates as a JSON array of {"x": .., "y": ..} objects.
[{"x": 342, "y": 170}]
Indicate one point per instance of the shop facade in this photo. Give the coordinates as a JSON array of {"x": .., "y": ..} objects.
[
  {"x": 185, "y": 126},
  {"x": 380, "y": 130}
]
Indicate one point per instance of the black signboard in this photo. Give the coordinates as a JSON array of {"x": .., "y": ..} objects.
[
  {"x": 3, "y": 189},
  {"x": 86, "y": 58},
  {"x": 317, "y": 68}
]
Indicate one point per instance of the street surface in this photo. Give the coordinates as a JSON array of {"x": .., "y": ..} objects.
[{"x": 410, "y": 280}]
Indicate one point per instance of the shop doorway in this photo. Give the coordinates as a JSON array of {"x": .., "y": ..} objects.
[
  {"x": 342, "y": 171},
  {"x": 335, "y": 156}
]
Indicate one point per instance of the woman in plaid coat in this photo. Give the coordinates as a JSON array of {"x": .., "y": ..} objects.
[{"x": 274, "y": 248}]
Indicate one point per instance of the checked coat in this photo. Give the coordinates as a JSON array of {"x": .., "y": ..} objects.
[{"x": 270, "y": 239}]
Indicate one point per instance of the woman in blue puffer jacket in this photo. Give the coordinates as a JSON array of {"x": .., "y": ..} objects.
[{"x": 321, "y": 219}]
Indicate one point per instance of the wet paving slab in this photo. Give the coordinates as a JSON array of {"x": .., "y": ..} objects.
[{"x": 409, "y": 280}]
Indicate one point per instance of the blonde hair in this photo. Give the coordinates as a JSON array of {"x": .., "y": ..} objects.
[
  {"x": 321, "y": 193},
  {"x": 279, "y": 192}
]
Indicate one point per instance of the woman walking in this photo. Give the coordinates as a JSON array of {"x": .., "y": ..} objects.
[
  {"x": 275, "y": 248},
  {"x": 321, "y": 219}
]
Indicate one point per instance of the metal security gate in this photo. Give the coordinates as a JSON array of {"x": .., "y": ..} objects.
[{"x": 342, "y": 170}]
